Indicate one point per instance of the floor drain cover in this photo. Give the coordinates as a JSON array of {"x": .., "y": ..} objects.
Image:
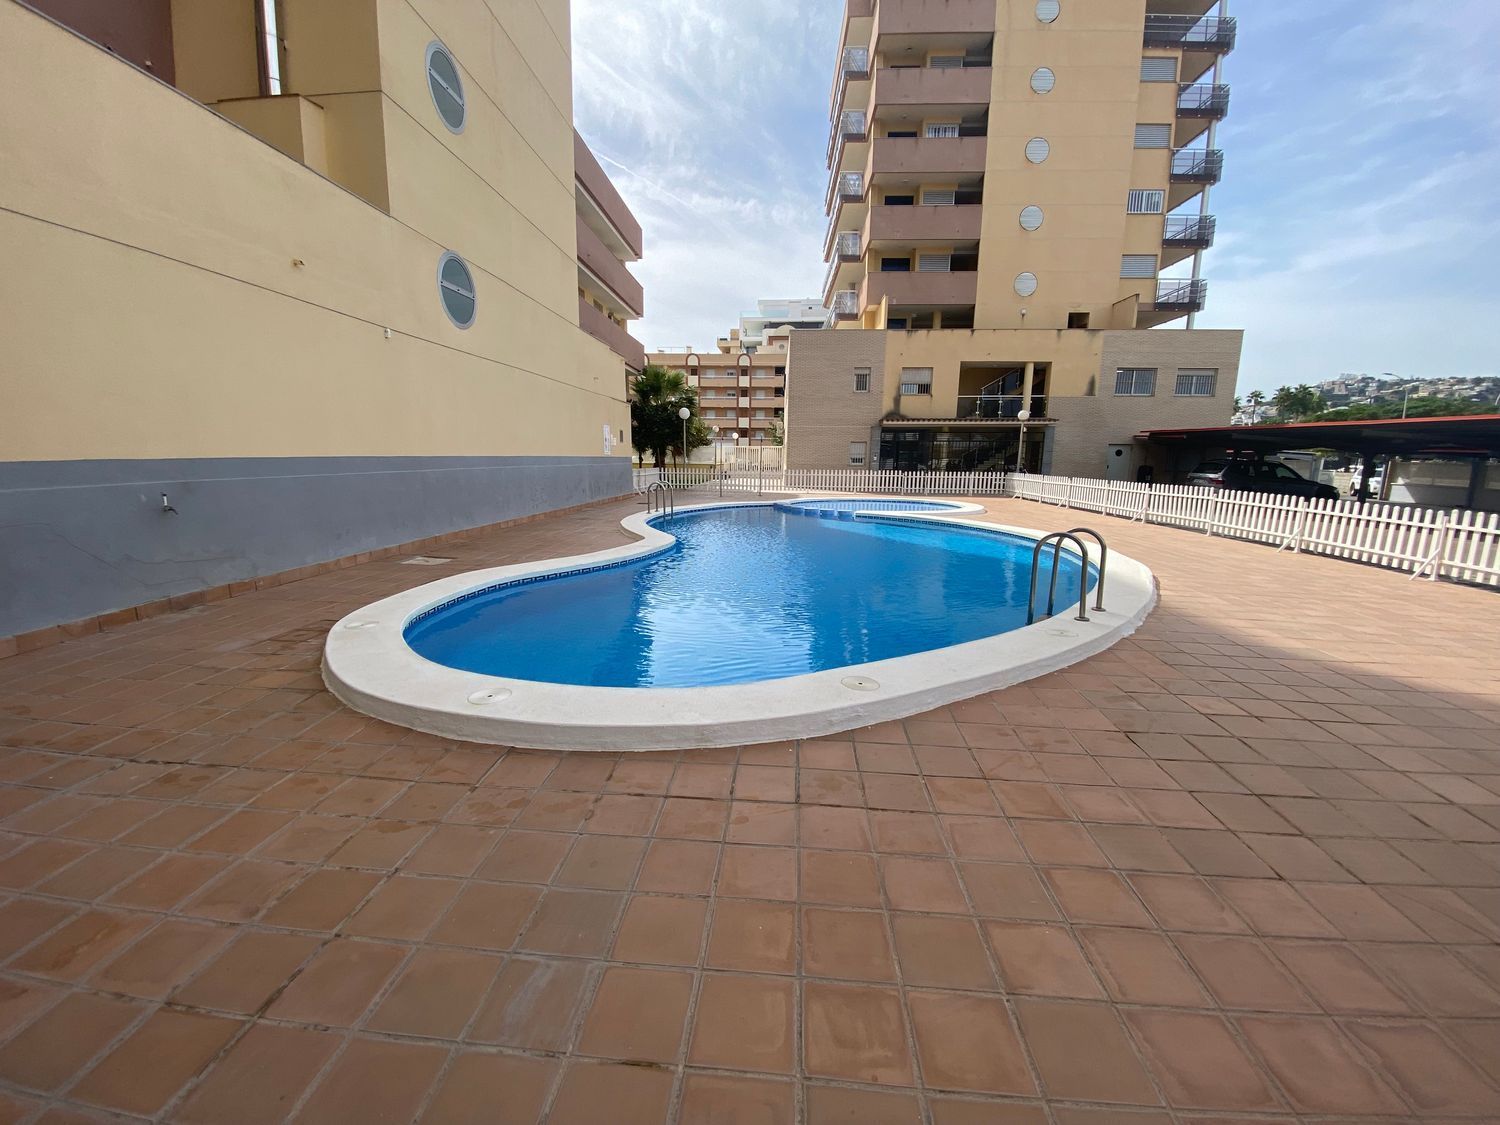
[
  {"x": 860, "y": 683},
  {"x": 491, "y": 695},
  {"x": 424, "y": 560}
]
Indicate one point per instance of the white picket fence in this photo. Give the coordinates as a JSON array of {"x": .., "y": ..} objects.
[{"x": 1426, "y": 542}]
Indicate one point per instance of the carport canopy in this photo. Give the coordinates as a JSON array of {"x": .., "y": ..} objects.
[{"x": 1457, "y": 438}]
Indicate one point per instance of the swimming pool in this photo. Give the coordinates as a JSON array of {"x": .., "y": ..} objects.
[
  {"x": 730, "y": 624},
  {"x": 748, "y": 594}
]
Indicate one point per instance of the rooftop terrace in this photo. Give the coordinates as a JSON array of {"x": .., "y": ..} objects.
[{"x": 1245, "y": 864}]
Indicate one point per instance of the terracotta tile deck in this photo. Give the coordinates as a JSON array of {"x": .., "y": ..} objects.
[{"x": 1243, "y": 867}]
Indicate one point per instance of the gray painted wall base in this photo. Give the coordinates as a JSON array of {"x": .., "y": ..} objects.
[{"x": 81, "y": 538}]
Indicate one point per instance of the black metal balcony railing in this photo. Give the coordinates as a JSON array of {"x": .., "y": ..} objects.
[
  {"x": 1189, "y": 230},
  {"x": 1198, "y": 165},
  {"x": 1187, "y": 294},
  {"x": 1193, "y": 33},
  {"x": 1202, "y": 100},
  {"x": 1000, "y": 408}
]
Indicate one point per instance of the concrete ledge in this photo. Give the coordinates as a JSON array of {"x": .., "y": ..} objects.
[{"x": 369, "y": 666}]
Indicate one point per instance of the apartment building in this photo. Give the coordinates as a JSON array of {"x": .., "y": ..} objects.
[
  {"x": 772, "y": 321},
  {"x": 1018, "y": 205},
  {"x": 287, "y": 281},
  {"x": 741, "y": 394}
]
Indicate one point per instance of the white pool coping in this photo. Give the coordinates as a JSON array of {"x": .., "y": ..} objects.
[{"x": 369, "y": 666}]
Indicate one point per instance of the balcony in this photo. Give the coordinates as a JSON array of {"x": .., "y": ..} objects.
[
  {"x": 609, "y": 271},
  {"x": 936, "y": 17},
  {"x": 950, "y": 224},
  {"x": 1197, "y": 166},
  {"x": 1189, "y": 232},
  {"x": 927, "y": 156},
  {"x": 846, "y": 305},
  {"x": 921, "y": 290},
  {"x": 850, "y": 129},
  {"x": 913, "y": 86},
  {"x": 1205, "y": 99},
  {"x": 1181, "y": 295},
  {"x": 1191, "y": 33},
  {"x": 846, "y": 249},
  {"x": 601, "y": 206},
  {"x": 999, "y": 408},
  {"x": 606, "y": 331},
  {"x": 854, "y": 64}
]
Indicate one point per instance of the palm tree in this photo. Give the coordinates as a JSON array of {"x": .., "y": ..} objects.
[
  {"x": 657, "y": 394},
  {"x": 1257, "y": 400}
]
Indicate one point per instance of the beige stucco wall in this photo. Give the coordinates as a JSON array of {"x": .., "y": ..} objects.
[{"x": 175, "y": 287}]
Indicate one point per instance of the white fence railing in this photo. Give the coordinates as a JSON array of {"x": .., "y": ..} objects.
[{"x": 1426, "y": 542}]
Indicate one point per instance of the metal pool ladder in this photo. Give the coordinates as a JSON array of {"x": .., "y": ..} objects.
[
  {"x": 659, "y": 498},
  {"x": 1083, "y": 586}
]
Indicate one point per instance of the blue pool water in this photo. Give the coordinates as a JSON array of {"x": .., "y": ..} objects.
[
  {"x": 747, "y": 594},
  {"x": 846, "y": 507}
]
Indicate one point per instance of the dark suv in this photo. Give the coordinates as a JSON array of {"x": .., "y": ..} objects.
[{"x": 1242, "y": 475}]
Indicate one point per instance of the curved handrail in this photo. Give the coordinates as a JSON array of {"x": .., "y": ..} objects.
[
  {"x": 1036, "y": 558},
  {"x": 1103, "y": 564},
  {"x": 659, "y": 498}
]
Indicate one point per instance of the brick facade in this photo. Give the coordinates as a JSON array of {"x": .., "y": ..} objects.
[{"x": 824, "y": 412}]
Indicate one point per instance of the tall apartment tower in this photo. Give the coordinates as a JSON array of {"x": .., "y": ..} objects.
[{"x": 1017, "y": 191}]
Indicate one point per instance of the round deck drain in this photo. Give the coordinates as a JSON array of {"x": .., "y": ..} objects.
[
  {"x": 1061, "y": 633},
  {"x": 860, "y": 683},
  {"x": 490, "y": 695}
]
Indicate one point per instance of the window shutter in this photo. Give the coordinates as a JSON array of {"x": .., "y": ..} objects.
[
  {"x": 1138, "y": 265},
  {"x": 1153, "y": 136},
  {"x": 1154, "y": 69},
  {"x": 856, "y": 453},
  {"x": 934, "y": 197},
  {"x": 1146, "y": 202},
  {"x": 946, "y": 62},
  {"x": 942, "y": 130},
  {"x": 934, "y": 263}
]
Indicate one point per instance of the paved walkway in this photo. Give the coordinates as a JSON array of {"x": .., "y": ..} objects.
[{"x": 1243, "y": 867}]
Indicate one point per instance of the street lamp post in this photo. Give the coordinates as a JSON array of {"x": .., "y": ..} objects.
[
  {"x": 684, "y": 414},
  {"x": 1024, "y": 416}
]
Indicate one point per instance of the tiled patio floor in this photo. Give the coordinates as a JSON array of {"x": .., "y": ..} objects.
[{"x": 1243, "y": 867}]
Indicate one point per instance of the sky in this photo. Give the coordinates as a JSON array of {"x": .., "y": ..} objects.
[{"x": 1359, "y": 217}]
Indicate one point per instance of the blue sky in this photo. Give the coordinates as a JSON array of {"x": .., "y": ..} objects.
[{"x": 1359, "y": 218}]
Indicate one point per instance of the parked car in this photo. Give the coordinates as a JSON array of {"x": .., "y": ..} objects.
[{"x": 1245, "y": 475}]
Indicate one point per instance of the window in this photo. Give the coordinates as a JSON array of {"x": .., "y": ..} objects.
[
  {"x": 779, "y": 371},
  {"x": 942, "y": 130},
  {"x": 1146, "y": 202},
  {"x": 861, "y": 379},
  {"x": 857, "y": 452},
  {"x": 1048, "y": 10},
  {"x": 1026, "y": 284},
  {"x": 895, "y": 265},
  {"x": 1138, "y": 265},
  {"x": 1154, "y": 69},
  {"x": 900, "y": 133},
  {"x": 934, "y": 263},
  {"x": 937, "y": 197},
  {"x": 1197, "y": 383},
  {"x": 1153, "y": 136},
  {"x": 895, "y": 322},
  {"x": 900, "y": 200},
  {"x": 1031, "y": 218},
  {"x": 916, "y": 380},
  {"x": 1135, "y": 381},
  {"x": 456, "y": 288},
  {"x": 1078, "y": 320},
  {"x": 1037, "y": 150},
  {"x": 446, "y": 87},
  {"x": 1043, "y": 80},
  {"x": 271, "y": 50}
]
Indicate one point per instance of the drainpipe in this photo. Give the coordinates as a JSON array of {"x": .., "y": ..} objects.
[{"x": 1213, "y": 132}]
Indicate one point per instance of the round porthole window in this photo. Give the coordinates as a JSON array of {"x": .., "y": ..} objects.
[
  {"x": 1037, "y": 150},
  {"x": 456, "y": 288},
  {"x": 1031, "y": 218},
  {"x": 1043, "y": 80},
  {"x": 1025, "y": 284},
  {"x": 446, "y": 86},
  {"x": 1048, "y": 10}
]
